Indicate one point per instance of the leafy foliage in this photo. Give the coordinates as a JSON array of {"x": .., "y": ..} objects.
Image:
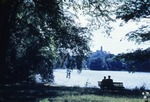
[
  {"x": 139, "y": 11},
  {"x": 133, "y": 9},
  {"x": 41, "y": 32},
  {"x": 140, "y": 35},
  {"x": 136, "y": 10},
  {"x": 98, "y": 13},
  {"x": 39, "y": 35}
]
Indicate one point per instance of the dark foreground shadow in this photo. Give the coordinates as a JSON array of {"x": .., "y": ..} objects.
[
  {"x": 33, "y": 93},
  {"x": 25, "y": 93}
]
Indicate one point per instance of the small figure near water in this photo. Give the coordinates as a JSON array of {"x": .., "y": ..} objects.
[{"x": 68, "y": 73}]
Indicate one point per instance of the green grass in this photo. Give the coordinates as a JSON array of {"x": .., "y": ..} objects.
[
  {"x": 76, "y": 94},
  {"x": 40, "y": 93},
  {"x": 91, "y": 98}
]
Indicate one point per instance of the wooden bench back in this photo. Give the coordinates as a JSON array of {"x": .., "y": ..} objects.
[{"x": 116, "y": 84}]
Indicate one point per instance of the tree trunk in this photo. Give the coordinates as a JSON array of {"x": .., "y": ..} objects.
[{"x": 5, "y": 6}]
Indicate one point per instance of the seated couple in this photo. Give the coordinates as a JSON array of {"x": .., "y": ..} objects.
[{"x": 107, "y": 83}]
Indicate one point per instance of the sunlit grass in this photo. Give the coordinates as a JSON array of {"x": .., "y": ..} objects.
[
  {"x": 91, "y": 98},
  {"x": 77, "y": 94}
]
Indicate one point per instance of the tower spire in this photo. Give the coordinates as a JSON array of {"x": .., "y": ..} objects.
[{"x": 101, "y": 48}]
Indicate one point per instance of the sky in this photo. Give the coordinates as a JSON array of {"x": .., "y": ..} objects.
[{"x": 116, "y": 42}]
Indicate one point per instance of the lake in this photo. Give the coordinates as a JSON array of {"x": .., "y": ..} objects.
[{"x": 90, "y": 78}]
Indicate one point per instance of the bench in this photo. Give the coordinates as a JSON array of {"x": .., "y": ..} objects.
[{"x": 115, "y": 86}]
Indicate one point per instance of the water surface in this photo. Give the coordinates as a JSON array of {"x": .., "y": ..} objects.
[{"x": 90, "y": 78}]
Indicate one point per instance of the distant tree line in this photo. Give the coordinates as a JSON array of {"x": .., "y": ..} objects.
[
  {"x": 101, "y": 60},
  {"x": 138, "y": 60}
]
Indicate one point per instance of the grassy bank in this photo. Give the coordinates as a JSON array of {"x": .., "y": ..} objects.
[
  {"x": 76, "y": 94},
  {"x": 91, "y": 98},
  {"x": 40, "y": 93}
]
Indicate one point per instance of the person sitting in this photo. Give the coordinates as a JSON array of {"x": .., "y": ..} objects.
[
  {"x": 103, "y": 83},
  {"x": 109, "y": 82}
]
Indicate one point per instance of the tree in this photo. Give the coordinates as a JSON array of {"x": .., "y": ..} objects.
[
  {"x": 133, "y": 9},
  {"x": 5, "y": 25},
  {"x": 36, "y": 31},
  {"x": 136, "y": 10}
]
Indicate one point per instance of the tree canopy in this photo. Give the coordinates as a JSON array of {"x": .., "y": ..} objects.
[
  {"x": 38, "y": 34},
  {"x": 138, "y": 11}
]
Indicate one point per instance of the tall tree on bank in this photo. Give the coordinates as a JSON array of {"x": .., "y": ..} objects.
[
  {"x": 34, "y": 32},
  {"x": 138, "y": 11}
]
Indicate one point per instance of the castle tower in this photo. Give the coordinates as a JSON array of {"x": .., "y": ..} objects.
[{"x": 101, "y": 48}]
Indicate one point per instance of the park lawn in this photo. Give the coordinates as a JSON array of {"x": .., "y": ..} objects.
[
  {"x": 77, "y": 94},
  {"x": 91, "y": 98},
  {"x": 41, "y": 93}
]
